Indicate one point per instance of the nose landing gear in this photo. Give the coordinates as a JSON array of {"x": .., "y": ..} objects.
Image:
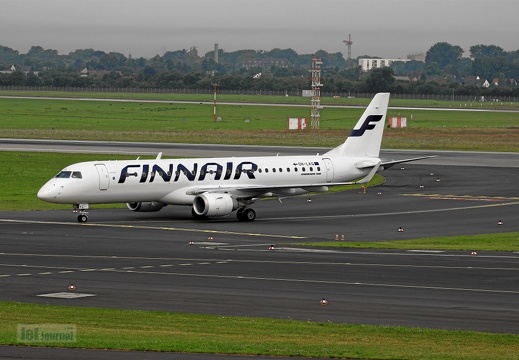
[{"x": 82, "y": 210}]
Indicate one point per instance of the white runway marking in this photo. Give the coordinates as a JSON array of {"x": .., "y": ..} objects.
[
  {"x": 328, "y": 282},
  {"x": 460, "y": 208},
  {"x": 207, "y": 231},
  {"x": 66, "y": 295}
]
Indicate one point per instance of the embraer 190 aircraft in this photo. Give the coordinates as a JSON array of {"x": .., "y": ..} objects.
[{"x": 216, "y": 187}]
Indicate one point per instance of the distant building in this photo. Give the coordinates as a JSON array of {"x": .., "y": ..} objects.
[
  {"x": 367, "y": 64},
  {"x": 87, "y": 73},
  {"x": 416, "y": 57},
  {"x": 26, "y": 71},
  {"x": 475, "y": 81},
  {"x": 264, "y": 63}
]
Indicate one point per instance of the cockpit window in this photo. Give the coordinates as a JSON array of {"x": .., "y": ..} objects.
[
  {"x": 64, "y": 174},
  {"x": 69, "y": 174}
]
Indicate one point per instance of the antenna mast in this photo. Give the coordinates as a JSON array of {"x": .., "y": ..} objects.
[
  {"x": 316, "y": 107},
  {"x": 348, "y": 43}
]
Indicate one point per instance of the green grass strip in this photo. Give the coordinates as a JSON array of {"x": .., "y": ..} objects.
[
  {"x": 490, "y": 242},
  {"x": 165, "y": 331}
]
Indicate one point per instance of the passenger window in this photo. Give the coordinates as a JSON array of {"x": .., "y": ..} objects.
[
  {"x": 273, "y": 169},
  {"x": 280, "y": 170},
  {"x": 259, "y": 170},
  {"x": 288, "y": 169}
]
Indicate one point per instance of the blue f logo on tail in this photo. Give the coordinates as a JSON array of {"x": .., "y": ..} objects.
[{"x": 368, "y": 124}]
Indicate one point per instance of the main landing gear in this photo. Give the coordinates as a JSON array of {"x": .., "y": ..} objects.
[
  {"x": 82, "y": 210},
  {"x": 246, "y": 214}
]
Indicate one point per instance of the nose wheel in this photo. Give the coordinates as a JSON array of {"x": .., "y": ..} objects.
[{"x": 82, "y": 210}]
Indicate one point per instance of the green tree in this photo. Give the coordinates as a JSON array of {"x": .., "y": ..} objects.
[
  {"x": 443, "y": 54},
  {"x": 478, "y": 51},
  {"x": 112, "y": 61},
  {"x": 32, "y": 79},
  {"x": 380, "y": 80}
]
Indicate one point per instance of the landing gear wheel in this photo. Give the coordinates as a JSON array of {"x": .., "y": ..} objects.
[
  {"x": 246, "y": 214},
  {"x": 82, "y": 218}
]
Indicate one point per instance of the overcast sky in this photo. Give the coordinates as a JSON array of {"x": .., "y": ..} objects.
[{"x": 385, "y": 28}]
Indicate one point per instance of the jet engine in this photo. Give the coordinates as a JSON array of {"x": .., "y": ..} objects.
[
  {"x": 145, "y": 206},
  {"x": 214, "y": 204}
]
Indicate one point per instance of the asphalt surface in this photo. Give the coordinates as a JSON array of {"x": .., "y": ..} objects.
[{"x": 145, "y": 260}]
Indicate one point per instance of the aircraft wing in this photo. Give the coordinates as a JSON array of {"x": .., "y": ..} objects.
[
  {"x": 387, "y": 164},
  {"x": 254, "y": 191}
]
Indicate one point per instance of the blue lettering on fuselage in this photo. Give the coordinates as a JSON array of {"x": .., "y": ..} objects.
[
  {"x": 165, "y": 175},
  {"x": 244, "y": 167},
  {"x": 203, "y": 171},
  {"x": 125, "y": 173},
  {"x": 182, "y": 170}
]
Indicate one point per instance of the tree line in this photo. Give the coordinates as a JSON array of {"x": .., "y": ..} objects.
[{"x": 445, "y": 71}]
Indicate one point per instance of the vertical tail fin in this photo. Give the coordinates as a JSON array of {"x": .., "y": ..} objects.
[{"x": 366, "y": 137}]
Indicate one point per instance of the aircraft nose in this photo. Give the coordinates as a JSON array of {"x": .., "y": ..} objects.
[{"x": 48, "y": 192}]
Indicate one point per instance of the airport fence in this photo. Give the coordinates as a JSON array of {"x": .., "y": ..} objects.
[{"x": 452, "y": 97}]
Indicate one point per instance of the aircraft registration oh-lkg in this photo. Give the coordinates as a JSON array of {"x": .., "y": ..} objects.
[{"x": 216, "y": 187}]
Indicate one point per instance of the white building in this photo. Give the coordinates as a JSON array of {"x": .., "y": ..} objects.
[{"x": 368, "y": 64}]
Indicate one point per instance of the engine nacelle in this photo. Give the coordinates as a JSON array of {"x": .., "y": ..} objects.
[
  {"x": 214, "y": 204},
  {"x": 145, "y": 206}
]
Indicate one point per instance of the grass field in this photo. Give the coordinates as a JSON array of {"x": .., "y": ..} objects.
[
  {"x": 166, "y": 331},
  {"x": 244, "y": 124},
  {"x": 497, "y": 241}
]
